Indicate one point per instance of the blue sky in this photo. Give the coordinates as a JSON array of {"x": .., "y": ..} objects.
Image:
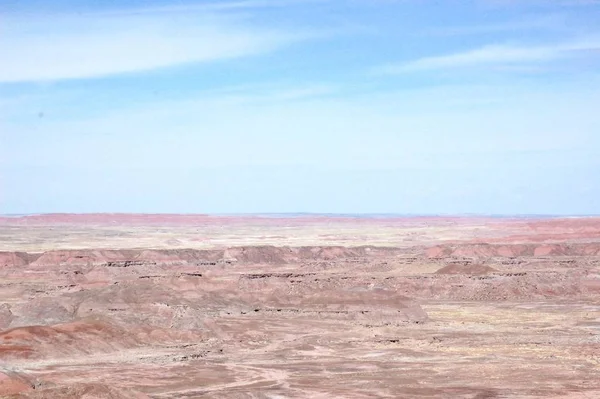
[{"x": 358, "y": 106}]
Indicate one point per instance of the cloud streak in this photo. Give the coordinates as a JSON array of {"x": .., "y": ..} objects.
[
  {"x": 546, "y": 23},
  {"x": 75, "y": 47},
  {"x": 501, "y": 55},
  {"x": 543, "y": 3},
  {"x": 223, "y": 6}
]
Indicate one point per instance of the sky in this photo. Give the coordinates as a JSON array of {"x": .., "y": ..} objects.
[{"x": 325, "y": 106}]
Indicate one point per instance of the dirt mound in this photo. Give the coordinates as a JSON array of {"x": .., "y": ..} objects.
[
  {"x": 470, "y": 269},
  {"x": 349, "y": 302},
  {"x": 84, "y": 257},
  {"x": 380, "y": 302},
  {"x": 6, "y": 316},
  {"x": 245, "y": 255},
  {"x": 355, "y": 296},
  {"x": 272, "y": 255},
  {"x": 42, "y": 310},
  {"x": 12, "y": 385},
  {"x": 84, "y": 391},
  {"x": 75, "y": 338},
  {"x": 145, "y": 303},
  {"x": 12, "y": 259},
  {"x": 513, "y": 250}
]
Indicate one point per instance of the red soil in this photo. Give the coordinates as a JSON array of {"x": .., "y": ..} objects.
[
  {"x": 12, "y": 385},
  {"x": 79, "y": 337}
]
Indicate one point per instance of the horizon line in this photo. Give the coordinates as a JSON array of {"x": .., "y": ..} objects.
[{"x": 309, "y": 214}]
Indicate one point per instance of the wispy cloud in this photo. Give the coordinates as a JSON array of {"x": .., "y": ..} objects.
[
  {"x": 267, "y": 95},
  {"x": 72, "y": 47},
  {"x": 500, "y": 55},
  {"x": 545, "y": 23},
  {"x": 544, "y": 3},
  {"x": 212, "y": 6}
]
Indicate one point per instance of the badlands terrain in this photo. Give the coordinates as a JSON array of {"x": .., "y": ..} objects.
[{"x": 172, "y": 306}]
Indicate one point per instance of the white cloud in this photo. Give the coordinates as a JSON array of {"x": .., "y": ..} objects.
[
  {"x": 71, "y": 47},
  {"x": 492, "y": 55},
  {"x": 221, "y": 5},
  {"x": 544, "y": 23},
  {"x": 542, "y": 3}
]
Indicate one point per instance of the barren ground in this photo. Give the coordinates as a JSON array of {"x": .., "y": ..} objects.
[{"x": 172, "y": 306}]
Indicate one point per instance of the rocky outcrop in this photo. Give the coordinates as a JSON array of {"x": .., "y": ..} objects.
[
  {"x": 272, "y": 255},
  {"x": 513, "y": 250}
]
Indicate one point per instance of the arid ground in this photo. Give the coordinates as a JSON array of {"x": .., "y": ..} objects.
[{"x": 173, "y": 306}]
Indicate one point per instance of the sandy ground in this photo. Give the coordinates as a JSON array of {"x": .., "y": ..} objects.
[
  {"x": 127, "y": 307},
  {"x": 110, "y": 231}
]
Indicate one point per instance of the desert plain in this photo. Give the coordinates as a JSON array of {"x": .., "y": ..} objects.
[{"x": 195, "y": 306}]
